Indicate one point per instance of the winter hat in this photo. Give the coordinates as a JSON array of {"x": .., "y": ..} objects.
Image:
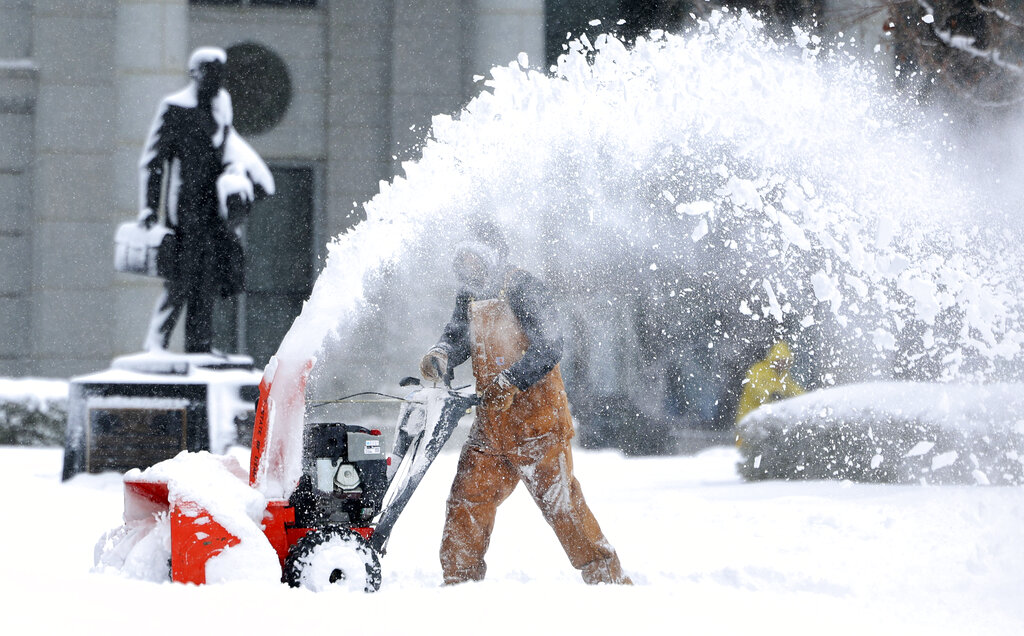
[
  {"x": 488, "y": 233},
  {"x": 487, "y": 244},
  {"x": 487, "y": 255}
]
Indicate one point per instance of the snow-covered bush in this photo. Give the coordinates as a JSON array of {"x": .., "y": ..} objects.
[
  {"x": 33, "y": 412},
  {"x": 891, "y": 433}
]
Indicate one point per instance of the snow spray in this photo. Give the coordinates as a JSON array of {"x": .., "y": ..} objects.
[{"x": 714, "y": 178}]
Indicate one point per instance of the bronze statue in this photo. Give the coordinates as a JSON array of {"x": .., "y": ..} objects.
[{"x": 204, "y": 177}]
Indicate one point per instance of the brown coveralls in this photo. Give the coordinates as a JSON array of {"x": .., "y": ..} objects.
[{"x": 530, "y": 442}]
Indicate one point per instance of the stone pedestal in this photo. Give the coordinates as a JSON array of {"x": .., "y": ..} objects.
[{"x": 149, "y": 407}]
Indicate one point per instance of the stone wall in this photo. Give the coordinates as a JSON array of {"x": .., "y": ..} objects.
[
  {"x": 79, "y": 86},
  {"x": 18, "y": 91}
]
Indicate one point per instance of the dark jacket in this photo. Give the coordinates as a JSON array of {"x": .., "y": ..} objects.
[
  {"x": 532, "y": 306},
  {"x": 184, "y": 136}
]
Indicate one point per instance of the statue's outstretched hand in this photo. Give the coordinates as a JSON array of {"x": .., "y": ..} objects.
[{"x": 147, "y": 218}]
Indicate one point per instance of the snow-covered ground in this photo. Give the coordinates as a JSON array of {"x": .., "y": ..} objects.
[
  {"x": 709, "y": 553},
  {"x": 718, "y": 153}
]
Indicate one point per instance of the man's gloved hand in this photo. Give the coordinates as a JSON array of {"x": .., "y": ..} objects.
[
  {"x": 434, "y": 365},
  {"x": 499, "y": 394},
  {"x": 147, "y": 218}
]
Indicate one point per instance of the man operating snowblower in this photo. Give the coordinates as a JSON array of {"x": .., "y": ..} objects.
[{"x": 505, "y": 322}]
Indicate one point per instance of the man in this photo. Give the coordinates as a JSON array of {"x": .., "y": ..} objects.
[
  {"x": 768, "y": 380},
  {"x": 505, "y": 322},
  {"x": 205, "y": 176}
]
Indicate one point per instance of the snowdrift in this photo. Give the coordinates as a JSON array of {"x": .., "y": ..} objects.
[{"x": 904, "y": 432}]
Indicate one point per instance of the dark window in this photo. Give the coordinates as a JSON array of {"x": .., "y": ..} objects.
[
  {"x": 278, "y": 268},
  {"x": 625, "y": 18},
  {"x": 573, "y": 16}
]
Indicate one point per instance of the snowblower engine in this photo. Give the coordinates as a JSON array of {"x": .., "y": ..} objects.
[{"x": 344, "y": 476}]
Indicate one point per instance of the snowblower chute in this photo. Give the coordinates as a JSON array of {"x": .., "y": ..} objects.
[{"x": 334, "y": 524}]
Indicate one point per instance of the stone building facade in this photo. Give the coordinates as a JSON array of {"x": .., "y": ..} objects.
[{"x": 333, "y": 94}]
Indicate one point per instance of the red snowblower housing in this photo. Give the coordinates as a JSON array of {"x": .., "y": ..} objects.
[{"x": 337, "y": 519}]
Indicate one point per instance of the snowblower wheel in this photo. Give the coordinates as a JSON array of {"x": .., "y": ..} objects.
[{"x": 332, "y": 557}]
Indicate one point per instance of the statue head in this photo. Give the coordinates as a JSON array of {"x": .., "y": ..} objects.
[{"x": 206, "y": 68}]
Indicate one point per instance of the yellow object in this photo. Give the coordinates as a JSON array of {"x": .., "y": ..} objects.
[{"x": 768, "y": 381}]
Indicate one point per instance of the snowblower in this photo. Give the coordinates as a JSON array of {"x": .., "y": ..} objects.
[{"x": 335, "y": 523}]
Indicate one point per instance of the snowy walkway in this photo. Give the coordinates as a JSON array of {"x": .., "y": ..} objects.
[{"x": 709, "y": 553}]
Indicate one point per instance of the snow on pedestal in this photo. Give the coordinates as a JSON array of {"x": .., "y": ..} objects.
[{"x": 149, "y": 407}]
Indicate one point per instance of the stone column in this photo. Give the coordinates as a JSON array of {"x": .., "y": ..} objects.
[
  {"x": 431, "y": 49},
  {"x": 71, "y": 241},
  {"x": 18, "y": 90},
  {"x": 358, "y": 105}
]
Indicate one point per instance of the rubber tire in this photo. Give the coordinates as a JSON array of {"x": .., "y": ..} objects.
[{"x": 309, "y": 552}]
